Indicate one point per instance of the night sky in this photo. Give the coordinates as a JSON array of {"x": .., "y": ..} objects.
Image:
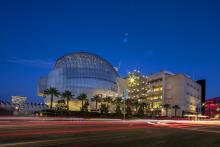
[{"x": 178, "y": 36}]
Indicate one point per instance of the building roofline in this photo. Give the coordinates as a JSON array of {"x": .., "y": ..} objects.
[{"x": 87, "y": 53}]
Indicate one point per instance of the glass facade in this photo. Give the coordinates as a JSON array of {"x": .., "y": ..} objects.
[{"x": 83, "y": 73}]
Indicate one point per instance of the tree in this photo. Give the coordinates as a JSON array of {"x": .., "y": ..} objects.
[
  {"x": 118, "y": 102},
  {"x": 166, "y": 106},
  {"x": 128, "y": 103},
  {"x": 82, "y": 97},
  {"x": 136, "y": 104},
  {"x": 52, "y": 92},
  {"x": 67, "y": 95},
  {"x": 61, "y": 106},
  {"x": 129, "y": 111},
  {"x": 141, "y": 108},
  {"x": 97, "y": 98},
  {"x": 108, "y": 100},
  {"x": 85, "y": 106},
  {"x": 175, "y": 107},
  {"x": 104, "y": 109}
]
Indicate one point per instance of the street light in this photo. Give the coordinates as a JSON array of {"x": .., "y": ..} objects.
[
  {"x": 125, "y": 96},
  {"x": 16, "y": 108},
  {"x": 124, "y": 108}
]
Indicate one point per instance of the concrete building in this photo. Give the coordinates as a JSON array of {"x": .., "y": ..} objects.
[
  {"x": 21, "y": 106},
  {"x": 203, "y": 96},
  {"x": 6, "y": 108},
  {"x": 212, "y": 107},
  {"x": 18, "y": 100},
  {"x": 30, "y": 108},
  {"x": 163, "y": 88}
]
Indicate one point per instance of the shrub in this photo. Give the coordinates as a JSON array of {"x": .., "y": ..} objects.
[
  {"x": 104, "y": 109},
  {"x": 118, "y": 110}
]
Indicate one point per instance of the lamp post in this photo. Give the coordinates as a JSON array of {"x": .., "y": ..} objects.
[
  {"x": 124, "y": 109},
  {"x": 125, "y": 96}
]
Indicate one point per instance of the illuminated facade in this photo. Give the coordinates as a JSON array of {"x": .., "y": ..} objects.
[
  {"x": 18, "y": 100},
  {"x": 82, "y": 72},
  {"x": 90, "y": 74},
  {"x": 19, "y": 104},
  {"x": 212, "y": 107},
  {"x": 163, "y": 88}
]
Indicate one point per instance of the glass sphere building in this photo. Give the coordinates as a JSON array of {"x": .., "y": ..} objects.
[{"x": 82, "y": 72}]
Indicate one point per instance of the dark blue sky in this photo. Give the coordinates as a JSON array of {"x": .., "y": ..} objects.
[{"x": 179, "y": 36}]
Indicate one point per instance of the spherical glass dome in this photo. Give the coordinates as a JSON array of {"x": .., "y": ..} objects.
[{"x": 83, "y": 72}]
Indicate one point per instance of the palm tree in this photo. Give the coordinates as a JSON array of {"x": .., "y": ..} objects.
[
  {"x": 67, "y": 95},
  {"x": 97, "y": 98},
  {"x": 118, "y": 100},
  {"x": 82, "y": 97},
  {"x": 108, "y": 100},
  {"x": 166, "y": 106},
  {"x": 175, "y": 107},
  {"x": 52, "y": 92}
]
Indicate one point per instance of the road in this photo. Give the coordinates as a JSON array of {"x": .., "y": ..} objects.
[{"x": 102, "y": 132}]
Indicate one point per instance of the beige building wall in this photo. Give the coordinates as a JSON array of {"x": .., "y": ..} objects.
[
  {"x": 168, "y": 88},
  {"x": 182, "y": 91}
]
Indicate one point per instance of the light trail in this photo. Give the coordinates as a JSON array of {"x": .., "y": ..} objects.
[
  {"x": 86, "y": 125},
  {"x": 34, "y": 132},
  {"x": 70, "y": 131},
  {"x": 78, "y": 139}
]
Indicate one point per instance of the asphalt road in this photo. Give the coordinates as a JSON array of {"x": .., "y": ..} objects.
[{"x": 76, "y": 133}]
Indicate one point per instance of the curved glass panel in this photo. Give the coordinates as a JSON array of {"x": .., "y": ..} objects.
[{"x": 84, "y": 73}]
